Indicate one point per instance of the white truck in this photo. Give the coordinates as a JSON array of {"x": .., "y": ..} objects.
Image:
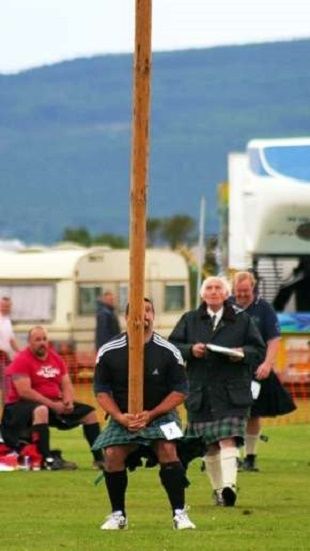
[
  {"x": 267, "y": 222},
  {"x": 269, "y": 217}
]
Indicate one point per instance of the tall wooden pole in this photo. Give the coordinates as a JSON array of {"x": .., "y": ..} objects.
[
  {"x": 201, "y": 248},
  {"x": 138, "y": 200}
]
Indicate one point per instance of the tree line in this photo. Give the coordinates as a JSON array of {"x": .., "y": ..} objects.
[
  {"x": 173, "y": 231},
  {"x": 177, "y": 232}
]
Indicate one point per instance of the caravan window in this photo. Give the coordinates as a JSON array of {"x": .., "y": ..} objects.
[
  {"x": 174, "y": 297},
  {"x": 31, "y": 303},
  {"x": 88, "y": 296},
  {"x": 122, "y": 297}
]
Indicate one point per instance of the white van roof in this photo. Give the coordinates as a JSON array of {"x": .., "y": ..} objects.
[
  {"x": 82, "y": 263},
  {"x": 39, "y": 265}
]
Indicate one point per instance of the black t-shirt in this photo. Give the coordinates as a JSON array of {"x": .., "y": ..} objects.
[{"x": 164, "y": 371}]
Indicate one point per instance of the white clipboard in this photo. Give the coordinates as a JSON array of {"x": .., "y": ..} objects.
[{"x": 224, "y": 350}]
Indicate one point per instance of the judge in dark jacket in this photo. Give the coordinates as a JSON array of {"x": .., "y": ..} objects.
[
  {"x": 107, "y": 324},
  {"x": 220, "y": 381}
]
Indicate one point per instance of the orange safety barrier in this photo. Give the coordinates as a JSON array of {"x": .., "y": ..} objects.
[
  {"x": 81, "y": 365},
  {"x": 294, "y": 364}
]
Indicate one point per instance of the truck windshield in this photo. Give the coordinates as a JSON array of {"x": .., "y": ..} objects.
[{"x": 291, "y": 161}]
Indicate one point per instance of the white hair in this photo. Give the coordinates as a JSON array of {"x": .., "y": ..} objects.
[{"x": 220, "y": 279}]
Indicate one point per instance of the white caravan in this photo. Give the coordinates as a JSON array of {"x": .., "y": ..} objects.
[{"x": 58, "y": 287}]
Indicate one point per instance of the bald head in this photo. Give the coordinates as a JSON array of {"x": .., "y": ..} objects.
[{"x": 38, "y": 341}]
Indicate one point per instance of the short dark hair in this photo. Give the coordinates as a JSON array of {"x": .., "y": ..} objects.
[{"x": 145, "y": 300}]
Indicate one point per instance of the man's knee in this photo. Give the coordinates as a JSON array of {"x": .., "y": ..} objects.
[
  {"x": 213, "y": 449},
  {"x": 40, "y": 414},
  {"x": 166, "y": 451},
  {"x": 115, "y": 457},
  {"x": 227, "y": 443}
]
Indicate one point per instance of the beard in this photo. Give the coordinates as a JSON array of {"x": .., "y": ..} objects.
[{"x": 41, "y": 352}]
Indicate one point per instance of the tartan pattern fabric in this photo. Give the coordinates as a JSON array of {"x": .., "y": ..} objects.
[
  {"x": 4, "y": 362},
  {"x": 213, "y": 431},
  {"x": 4, "y": 359},
  {"x": 115, "y": 434}
]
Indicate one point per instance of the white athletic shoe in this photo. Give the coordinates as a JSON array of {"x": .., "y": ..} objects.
[
  {"x": 181, "y": 520},
  {"x": 115, "y": 521}
]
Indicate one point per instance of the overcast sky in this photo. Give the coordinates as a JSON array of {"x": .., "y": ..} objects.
[{"x": 36, "y": 32}]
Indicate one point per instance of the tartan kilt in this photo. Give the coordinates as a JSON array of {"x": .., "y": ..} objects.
[
  {"x": 115, "y": 434},
  {"x": 211, "y": 432},
  {"x": 273, "y": 399}
]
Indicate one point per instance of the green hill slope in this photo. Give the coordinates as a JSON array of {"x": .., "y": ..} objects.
[{"x": 65, "y": 133}]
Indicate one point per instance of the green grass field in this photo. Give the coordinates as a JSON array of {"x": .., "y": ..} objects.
[{"x": 55, "y": 511}]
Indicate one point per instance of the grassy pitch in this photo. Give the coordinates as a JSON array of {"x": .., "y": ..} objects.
[{"x": 60, "y": 511}]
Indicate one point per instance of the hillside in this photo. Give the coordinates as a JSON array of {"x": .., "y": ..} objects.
[{"x": 65, "y": 133}]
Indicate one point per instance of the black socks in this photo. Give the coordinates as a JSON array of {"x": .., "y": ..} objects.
[
  {"x": 41, "y": 437},
  {"x": 172, "y": 476},
  {"x": 91, "y": 432},
  {"x": 116, "y": 484}
]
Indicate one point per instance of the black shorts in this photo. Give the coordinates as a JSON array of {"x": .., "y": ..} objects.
[{"x": 17, "y": 419}]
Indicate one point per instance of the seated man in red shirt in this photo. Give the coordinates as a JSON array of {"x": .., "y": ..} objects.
[{"x": 39, "y": 394}]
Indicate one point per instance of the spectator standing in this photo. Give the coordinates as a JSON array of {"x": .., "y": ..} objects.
[
  {"x": 220, "y": 381},
  {"x": 40, "y": 394},
  {"x": 165, "y": 387},
  {"x": 107, "y": 324},
  {"x": 272, "y": 399},
  {"x": 8, "y": 343}
]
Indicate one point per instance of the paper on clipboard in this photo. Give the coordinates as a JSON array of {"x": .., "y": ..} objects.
[{"x": 225, "y": 350}]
